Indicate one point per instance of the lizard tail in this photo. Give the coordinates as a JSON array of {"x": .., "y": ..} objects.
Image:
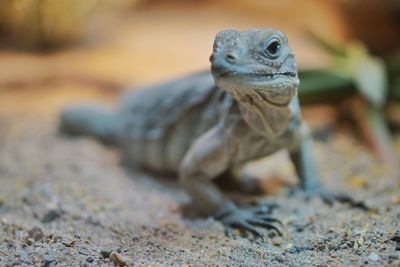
[{"x": 90, "y": 120}]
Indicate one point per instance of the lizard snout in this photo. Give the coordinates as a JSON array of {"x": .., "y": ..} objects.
[
  {"x": 223, "y": 60},
  {"x": 218, "y": 62}
]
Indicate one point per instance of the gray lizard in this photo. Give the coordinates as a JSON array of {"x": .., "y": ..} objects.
[{"x": 210, "y": 123}]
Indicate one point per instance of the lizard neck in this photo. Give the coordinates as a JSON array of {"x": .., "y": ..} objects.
[{"x": 265, "y": 118}]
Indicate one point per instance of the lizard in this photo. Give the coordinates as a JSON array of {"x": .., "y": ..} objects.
[{"x": 212, "y": 122}]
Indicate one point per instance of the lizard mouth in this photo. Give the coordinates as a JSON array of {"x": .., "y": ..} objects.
[{"x": 230, "y": 73}]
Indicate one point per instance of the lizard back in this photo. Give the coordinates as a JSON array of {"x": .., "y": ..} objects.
[{"x": 158, "y": 124}]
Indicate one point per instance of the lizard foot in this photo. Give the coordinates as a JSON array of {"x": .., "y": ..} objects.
[
  {"x": 247, "y": 219},
  {"x": 330, "y": 197}
]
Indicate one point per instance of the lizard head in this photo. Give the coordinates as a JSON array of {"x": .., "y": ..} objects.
[{"x": 255, "y": 66}]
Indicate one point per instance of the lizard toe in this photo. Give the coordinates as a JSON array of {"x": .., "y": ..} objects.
[
  {"x": 331, "y": 197},
  {"x": 247, "y": 220},
  {"x": 249, "y": 228},
  {"x": 265, "y": 225}
]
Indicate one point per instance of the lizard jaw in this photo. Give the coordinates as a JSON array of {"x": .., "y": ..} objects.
[{"x": 276, "y": 89}]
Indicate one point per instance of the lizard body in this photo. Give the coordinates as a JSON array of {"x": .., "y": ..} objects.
[{"x": 206, "y": 124}]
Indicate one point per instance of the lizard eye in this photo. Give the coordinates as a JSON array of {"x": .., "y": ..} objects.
[{"x": 273, "y": 48}]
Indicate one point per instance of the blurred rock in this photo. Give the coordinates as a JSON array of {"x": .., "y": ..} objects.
[
  {"x": 51, "y": 215},
  {"x": 46, "y": 25},
  {"x": 36, "y": 233},
  {"x": 49, "y": 258}
]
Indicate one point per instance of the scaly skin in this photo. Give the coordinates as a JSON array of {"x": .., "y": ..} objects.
[{"x": 209, "y": 123}]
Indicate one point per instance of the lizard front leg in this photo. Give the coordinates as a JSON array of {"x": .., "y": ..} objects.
[
  {"x": 209, "y": 156},
  {"x": 302, "y": 156},
  {"x": 303, "y": 159}
]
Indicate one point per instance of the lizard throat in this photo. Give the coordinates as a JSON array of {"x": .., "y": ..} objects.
[{"x": 279, "y": 97}]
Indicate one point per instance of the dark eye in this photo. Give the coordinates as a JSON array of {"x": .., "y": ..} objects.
[{"x": 273, "y": 48}]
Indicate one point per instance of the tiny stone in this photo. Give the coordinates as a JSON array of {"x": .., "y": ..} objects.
[
  {"x": 106, "y": 252},
  {"x": 117, "y": 258},
  {"x": 36, "y": 233},
  {"x": 24, "y": 257},
  {"x": 83, "y": 250},
  {"x": 277, "y": 241},
  {"x": 374, "y": 257},
  {"x": 396, "y": 236},
  {"x": 89, "y": 259},
  {"x": 29, "y": 241},
  {"x": 279, "y": 258},
  {"x": 68, "y": 241},
  {"x": 50, "y": 216},
  {"x": 49, "y": 258}
]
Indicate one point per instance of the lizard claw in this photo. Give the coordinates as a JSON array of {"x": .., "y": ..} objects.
[
  {"x": 342, "y": 198},
  {"x": 330, "y": 197},
  {"x": 248, "y": 220}
]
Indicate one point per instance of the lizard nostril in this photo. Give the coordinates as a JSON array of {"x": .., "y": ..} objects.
[
  {"x": 230, "y": 57},
  {"x": 212, "y": 58}
]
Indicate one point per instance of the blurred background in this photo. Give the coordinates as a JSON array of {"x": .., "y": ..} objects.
[
  {"x": 348, "y": 52},
  {"x": 64, "y": 200}
]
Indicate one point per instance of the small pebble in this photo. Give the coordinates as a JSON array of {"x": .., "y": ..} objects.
[
  {"x": 118, "y": 259},
  {"x": 105, "y": 252},
  {"x": 49, "y": 258},
  {"x": 84, "y": 251},
  {"x": 36, "y": 233},
  {"x": 50, "y": 216},
  {"x": 374, "y": 257},
  {"x": 24, "y": 257},
  {"x": 396, "y": 236},
  {"x": 89, "y": 259},
  {"x": 277, "y": 241},
  {"x": 29, "y": 241},
  {"x": 68, "y": 241}
]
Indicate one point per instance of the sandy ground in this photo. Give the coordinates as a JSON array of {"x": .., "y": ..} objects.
[{"x": 68, "y": 201}]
